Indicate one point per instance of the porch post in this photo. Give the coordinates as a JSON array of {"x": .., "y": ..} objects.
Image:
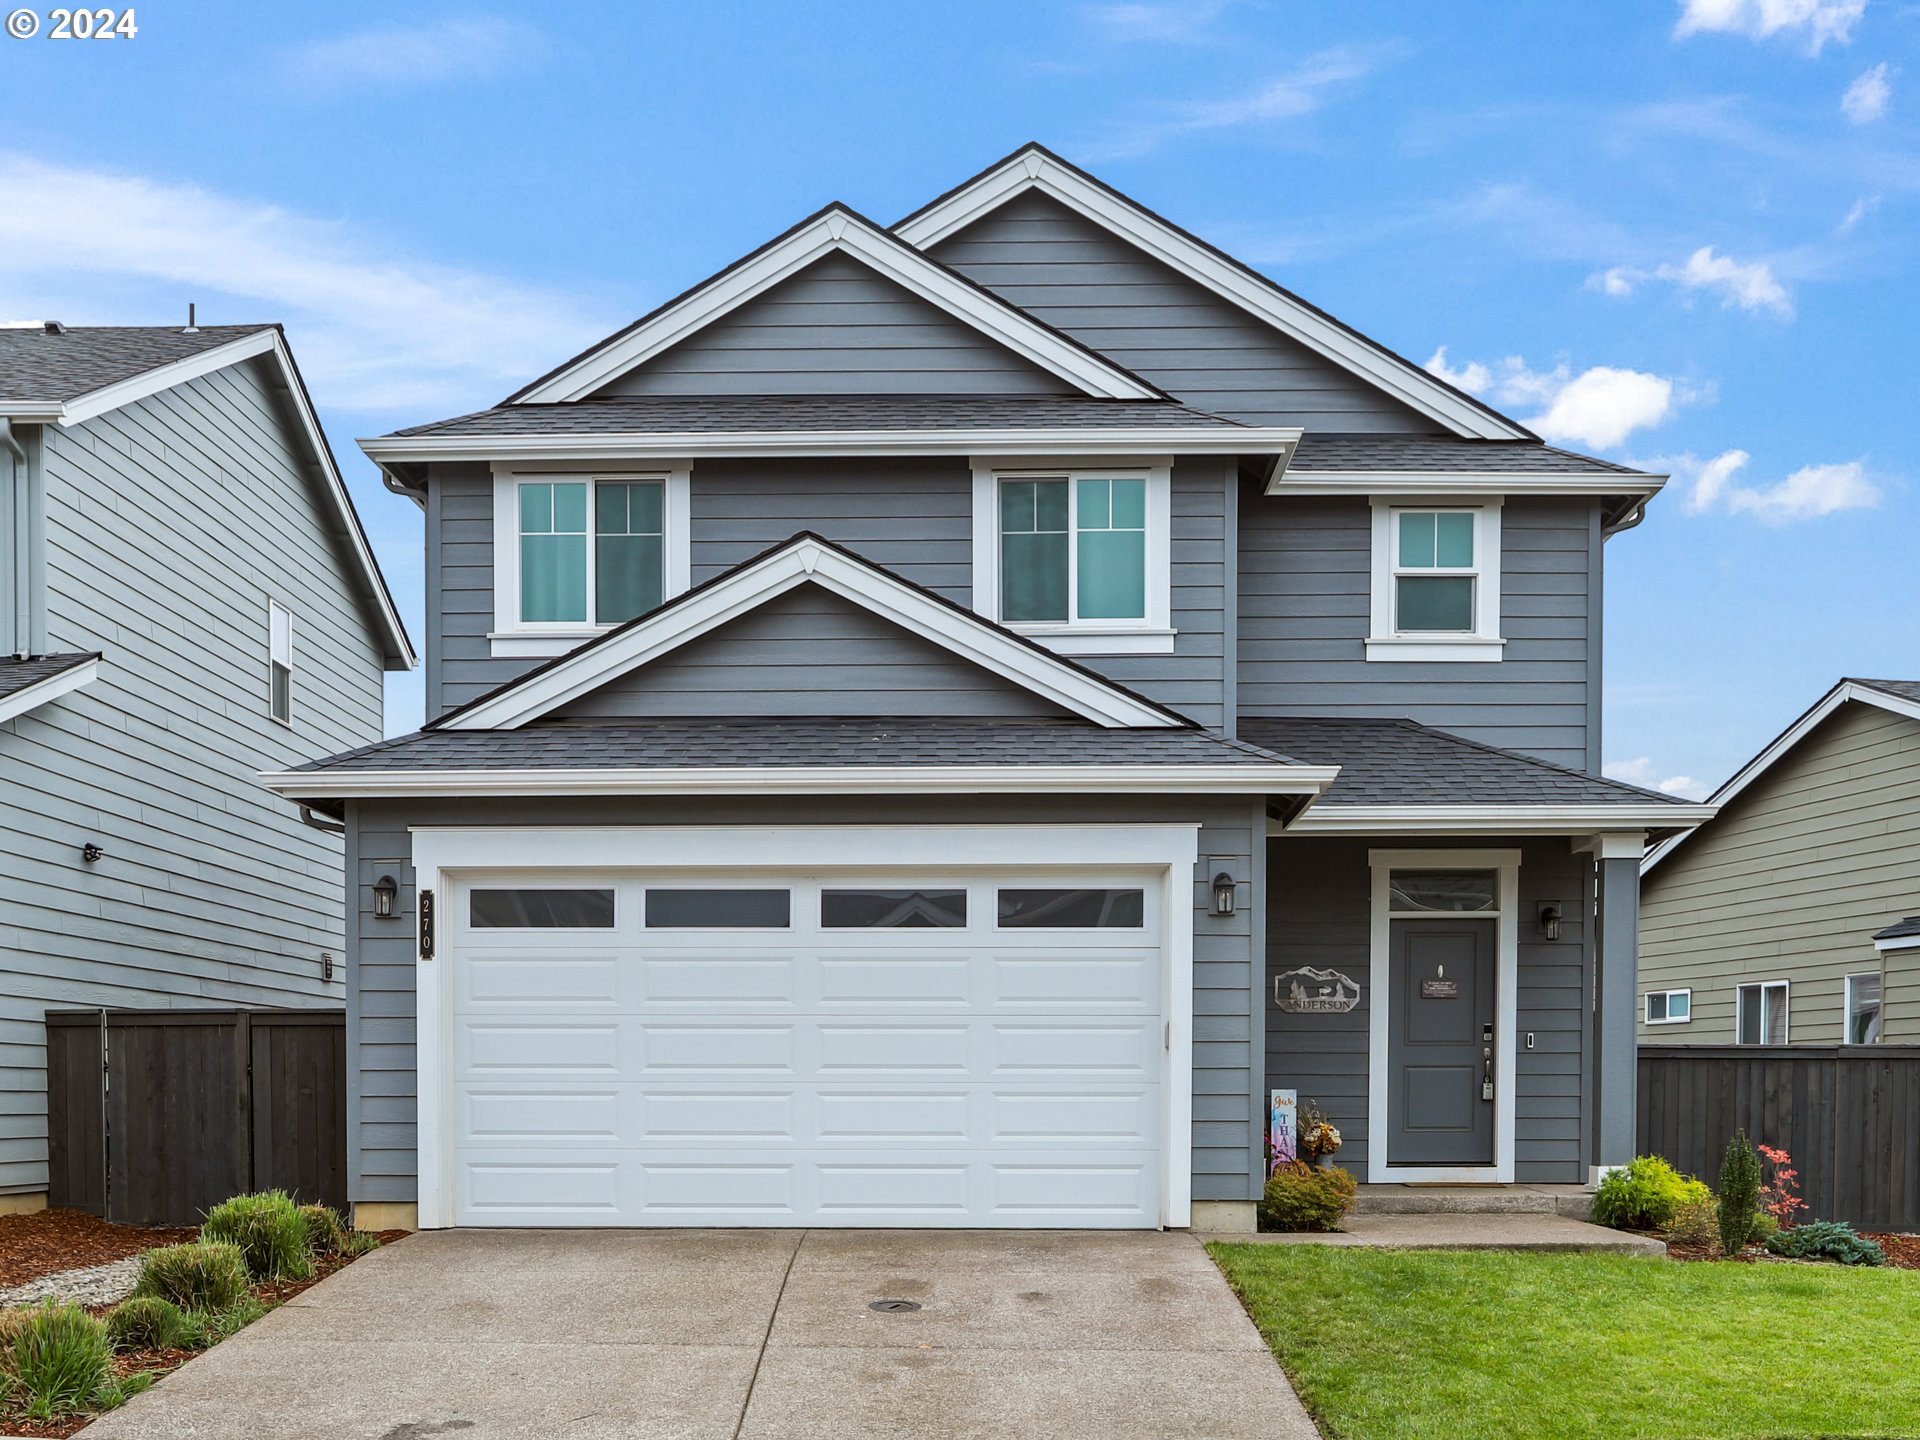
[{"x": 1616, "y": 963}]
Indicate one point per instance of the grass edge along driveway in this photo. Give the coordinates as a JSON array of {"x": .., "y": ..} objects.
[{"x": 1410, "y": 1344}]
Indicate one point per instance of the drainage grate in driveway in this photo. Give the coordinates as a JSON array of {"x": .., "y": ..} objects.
[{"x": 893, "y": 1307}]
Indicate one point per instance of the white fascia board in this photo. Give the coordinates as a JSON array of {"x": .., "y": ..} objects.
[
  {"x": 1052, "y": 442},
  {"x": 840, "y": 230},
  {"x": 811, "y": 780},
  {"x": 165, "y": 377},
  {"x": 806, "y": 561},
  {"x": 1431, "y": 483},
  {"x": 1905, "y": 942},
  {"x": 1492, "y": 819},
  {"x": 1400, "y": 378},
  {"x": 1840, "y": 694},
  {"x": 52, "y": 688}
]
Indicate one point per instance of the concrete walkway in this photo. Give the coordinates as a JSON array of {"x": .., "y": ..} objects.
[
  {"x": 1443, "y": 1230},
  {"x": 644, "y": 1335}
]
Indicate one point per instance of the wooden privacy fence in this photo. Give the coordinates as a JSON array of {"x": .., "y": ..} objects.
[
  {"x": 1849, "y": 1116},
  {"x": 155, "y": 1116}
]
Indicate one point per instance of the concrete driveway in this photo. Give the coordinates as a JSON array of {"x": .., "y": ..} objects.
[{"x": 721, "y": 1335}]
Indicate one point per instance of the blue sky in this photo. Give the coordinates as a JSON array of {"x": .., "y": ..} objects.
[{"x": 1676, "y": 232}]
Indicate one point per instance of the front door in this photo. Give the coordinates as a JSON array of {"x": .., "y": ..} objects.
[{"x": 1440, "y": 1061}]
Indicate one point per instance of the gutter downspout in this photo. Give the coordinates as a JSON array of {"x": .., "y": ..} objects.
[
  {"x": 19, "y": 641},
  {"x": 12, "y": 441},
  {"x": 320, "y": 822}
]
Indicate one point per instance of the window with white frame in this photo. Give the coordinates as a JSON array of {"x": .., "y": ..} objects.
[
  {"x": 1762, "y": 1014},
  {"x": 1669, "y": 1007},
  {"x": 279, "y": 662},
  {"x": 1863, "y": 1008},
  {"x": 575, "y": 554},
  {"x": 1436, "y": 581},
  {"x": 1077, "y": 558}
]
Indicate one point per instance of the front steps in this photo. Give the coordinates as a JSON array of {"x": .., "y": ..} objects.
[{"x": 1573, "y": 1202}]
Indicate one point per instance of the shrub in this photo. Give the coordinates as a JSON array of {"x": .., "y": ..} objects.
[
  {"x": 1299, "y": 1197},
  {"x": 270, "y": 1231},
  {"x": 1695, "y": 1222},
  {"x": 1780, "y": 1198},
  {"x": 1644, "y": 1195},
  {"x": 148, "y": 1323},
  {"x": 61, "y": 1362},
  {"x": 1739, "y": 1193},
  {"x": 1765, "y": 1227},
  {"x": 212, "y": 1329},
  {"x": 1827, "y": 1240},
  {"x": 202, "y": 1277},
  {"x": 326, "y": 1232},
  {"x": 360, "y": 1242}
]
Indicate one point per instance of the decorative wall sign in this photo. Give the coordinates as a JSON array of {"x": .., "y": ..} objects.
[
  {"x": 1282, "y": 1108},
  {"x": 1307, "y": 991},
  {"x": 1439, "y": 989}
]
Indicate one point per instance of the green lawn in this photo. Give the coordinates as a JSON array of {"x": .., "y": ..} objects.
[{"x": 1394, "y": 1345}]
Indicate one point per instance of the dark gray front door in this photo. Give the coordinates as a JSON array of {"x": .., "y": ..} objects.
[{"x": 1439, "y": 1024}]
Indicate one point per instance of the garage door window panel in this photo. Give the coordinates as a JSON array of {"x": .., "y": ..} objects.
[
  {"x": 1072, "y": 908},
  {"x": 719, "y": 909},
  {"x": 893, "y": 909},
  {"x": 541, "y": 909}
]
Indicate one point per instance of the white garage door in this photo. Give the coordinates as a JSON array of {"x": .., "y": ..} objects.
[{"x": 772, "y": 1048}]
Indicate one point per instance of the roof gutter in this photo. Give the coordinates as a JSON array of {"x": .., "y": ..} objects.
[{"x": 12, "y": 441}]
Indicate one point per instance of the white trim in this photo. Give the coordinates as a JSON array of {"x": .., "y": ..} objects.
[
  {"x": 801, "y": 562},
  {"x": 813, "y": 780},
  {"x": 1670, "y": 1018},
  {"x": 30, "y": 697},
  {"x": 1901, "y": 942},
  {"x": 1840, "y": 694},
  {"x": 1412, "y": 485},
  {"x": 838, "y": 229},
  {"x": 1170, "y": 849},
  {"x": 1506, "y": 1022},
  {"x": 1385, "y": 641},
  {"x": 1152, "y": 635},
  {"x": 1034, "y": 169},
  {"x": 1763, "y": 986},
  {"x": 1053, "y": 441},
  {"x": 165, "y": 377},
  {"x": 1630, "y": 818}
]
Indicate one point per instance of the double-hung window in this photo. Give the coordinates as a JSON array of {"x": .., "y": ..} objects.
[
  {"x": 279, "y": 662},
  {"x": 1762, "y": 1014},
  {"x": 1863, "y": 1009},
  {"x": 1078, "y": 559},
  {"x": 1436, "y": 582},
  {"x": 575, "y": 554}
]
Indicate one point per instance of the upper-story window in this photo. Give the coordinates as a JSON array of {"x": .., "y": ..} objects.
[
  {"x": 279, "y": 662},
  {"x": 576, "y": 554},
  {"x": 1436, "y": 581},
  {"x": 1079, "y": 559}
]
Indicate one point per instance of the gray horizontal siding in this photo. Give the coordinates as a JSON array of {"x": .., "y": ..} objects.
[
  {"x": 1319, "y": 915},
  {"x": 382, "y": 1058},
  {"x": 837, "y": 327},
  {"x": 1081, "y": 278},
  {"x": 1305, "y": 609},
  {"x": 169, "y": 526}
]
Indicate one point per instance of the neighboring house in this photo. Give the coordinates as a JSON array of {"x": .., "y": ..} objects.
[
  {"x": 931, "y": 725},
  {"x": 186, "y": 598},
  {"x": 1788, "y": 920}
]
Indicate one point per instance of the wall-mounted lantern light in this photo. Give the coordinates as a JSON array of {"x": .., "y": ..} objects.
[
  {"x": 384, "y": 890},
  {"x": 91, "y": 852},
  {"x": 1550, "y": 921},
  {"x": 1223, "y": 894}
]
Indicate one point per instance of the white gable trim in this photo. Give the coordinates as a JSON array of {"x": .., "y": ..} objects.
[
  {"x": 1840, "y": 694},
  {"x": 1033, "y": 169},
  {"x": 804, "y": 561},
  {"x": 840, "y": 230},
  {"x": 29, "y": 697}
]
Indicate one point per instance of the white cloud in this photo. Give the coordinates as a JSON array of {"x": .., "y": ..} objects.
[
  {"x": 373, "y": 331},
  {"x": 1643, "y": 772},
  {"x": 1867, "y": 97},
  {"x": 1178, "y": 24},
  {"x": 1749, "y": 285},
  {"x": 1817, "y": 21},
  {"x": 1857, "y": 212},
  {"x": 1599, "y": 407},
  {"x": 460, "y": 48},
  {"x": 1807, "y": 494}
]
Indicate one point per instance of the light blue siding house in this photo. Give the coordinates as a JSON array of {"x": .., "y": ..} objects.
[
  {"x": 186, "y": 598},
  {"x": 933, "y": 725}
]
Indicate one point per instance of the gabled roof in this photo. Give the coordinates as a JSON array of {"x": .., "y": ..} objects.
[
  {"x": 838, "y": 229},
  {"x": 805, "y": 559},
  {"x": 27, "y": 681},
  {"x": 1034, "y": 167},
  {"x": 1901, "y": 697},
  {"x": 68, "y": 375}
]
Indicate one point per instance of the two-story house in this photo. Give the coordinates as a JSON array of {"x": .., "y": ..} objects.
[
  {"x": 931, "y": 725},
  {"x": 186, "y": 598}
]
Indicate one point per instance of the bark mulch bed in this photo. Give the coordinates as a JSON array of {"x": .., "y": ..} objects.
[
  {"x": 1903, "y": 1252},
  {"x": 52, "y": 1240}
]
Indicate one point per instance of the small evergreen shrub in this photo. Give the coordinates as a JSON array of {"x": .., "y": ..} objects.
[
  {"x": 1739, "y": 1193},
  {"x": 147, "y": 1322},
  {"x": 61, "y": 1362},
  {"x": 1827, "y": 1240},
  {"x": 270, "y": 1231},
  {"x": 1765, "y": 1227},
  {"x": 1299, "y": 1197},
  {"x": 212, "y": 1329},
  {"x": 202, "y": 1277},
  {"x": 326, "y": 1231},
  {"x": 1644, "y": 1195},
  {"x": 1696, "y": 1223}
]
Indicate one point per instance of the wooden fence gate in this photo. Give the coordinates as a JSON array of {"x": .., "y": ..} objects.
[
  {"x": 1849, "y": 1116},
  {"x": 156, "y": 1116}
]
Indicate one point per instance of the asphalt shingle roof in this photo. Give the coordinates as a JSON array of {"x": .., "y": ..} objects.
[
  {"x": 1402, "y": 762},
  {"x": 700, "y": 743},
  {"x": 1906, "y": 929},
  {"x": 1904, "y": 689},
  {"x": 16, "y": 674},
  {"x": 37, "y": 366},
  {"x": 1441, "y": 455},
  {"x": 721, "y": 414}
]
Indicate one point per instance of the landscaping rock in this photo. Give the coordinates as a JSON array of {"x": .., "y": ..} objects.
[{"x": 88, "y": 1285}]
